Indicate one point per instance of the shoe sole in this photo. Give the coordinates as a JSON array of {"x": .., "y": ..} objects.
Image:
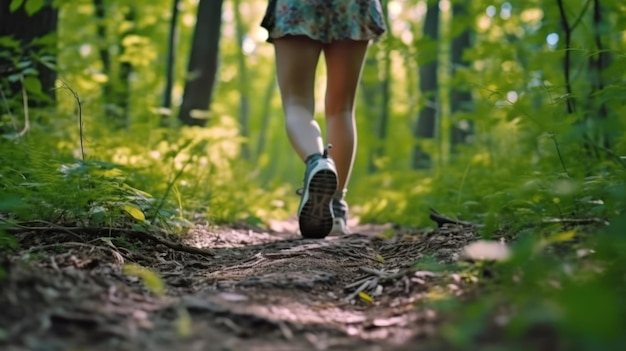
[{"x": 316, "y": 216}]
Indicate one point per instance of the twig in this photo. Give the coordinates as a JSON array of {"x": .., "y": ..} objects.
[
  {"x": 375, "y": 272},
  {"x": 441, "y": 220},
  {"x": 80, "y": 118},
  {"x": 357, "y": 283},
  {"x": 371, "y": 282},
  {"x": 580, "y": 16},
  {"x": 26, "y": 113},
  {"x": 558, "y": 151},
  {"x": 576, "y": 221}
]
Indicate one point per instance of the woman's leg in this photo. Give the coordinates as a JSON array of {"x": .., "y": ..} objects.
[
  {"x": 344, "y": 62},
  {"x": 296, "y": 61}
]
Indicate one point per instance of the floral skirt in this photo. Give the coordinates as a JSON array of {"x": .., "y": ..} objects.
[{"x": 325, "y": 20}]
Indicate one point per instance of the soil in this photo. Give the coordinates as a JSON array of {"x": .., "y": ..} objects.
[{"x": 249, "y": 289}]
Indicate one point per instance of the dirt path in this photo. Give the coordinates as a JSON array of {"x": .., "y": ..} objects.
[{"x": 261, "y": 290}]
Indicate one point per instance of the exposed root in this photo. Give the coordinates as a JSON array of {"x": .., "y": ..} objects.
[{"x": 78, "y": 233}]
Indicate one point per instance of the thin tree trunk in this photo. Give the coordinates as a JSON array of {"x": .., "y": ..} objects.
[
  {"x": 567, "y": 62},
  {"x": 460, "y": 96},
  {"x": 103, "y": 51},
  {"x": 265, "y": 116},
  {"x": 202, "y": 69},
  {"x": 428, "y": 83},
  {"x": 101, "y": 33},
  {"x": 169, "y": 64},
  {"x": 116, "y": 90},
  {"x": 383, "y": 121},
  {"x": 244, "y": 102},
  {"x": 597, "y": 66},
  {"x": 122, "y": 88},
  {"x": 370, "y": 89},
  {"x": 385, "y": 89}
]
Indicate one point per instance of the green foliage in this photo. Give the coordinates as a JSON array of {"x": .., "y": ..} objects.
[
  {"x": 163, "y": 181},
  {"x": 574, "y": 299}
]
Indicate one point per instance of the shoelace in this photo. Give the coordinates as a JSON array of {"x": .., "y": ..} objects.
[{"x": 328, "y": 147}]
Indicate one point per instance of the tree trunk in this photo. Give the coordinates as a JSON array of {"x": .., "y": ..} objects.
[
  {"x": 122, "y": 89},
  {"x": 370, "y": 91},
  {"x": 244, "y": 102},
  {"x": 385, "y": 90},
  {"x": 116, "y": 89},
  {"x": 202, "y": 69},
  {"x": 26, "y": 27},
  {"x": 383, "y": 120},
  {"x": 169, "y": 64},
  {"x": 265, "y": 116},
  {"x": 460, "y": 96},
  {"x": 428, "y": 84},
  {"x": 598, "y": 63}
]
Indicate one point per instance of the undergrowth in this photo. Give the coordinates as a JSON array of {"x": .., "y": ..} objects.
[
  {"x": 556, "y": 197},
  {"x": 169, "y": 181}
]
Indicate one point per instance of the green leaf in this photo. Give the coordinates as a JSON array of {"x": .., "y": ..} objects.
[
  {"x": 15, "y": 5},
  {"x": 10, "y": 203},
  {"x": 33, "y": 6},
  {"x": 561, "y": 237},
  {"x": 48, "y": 61},
  {"x": 24, "y": 64},
  {"x": 9, "y": 42},
  {"x": 30, "y": 71},
  {"x": 32, "y": 84},
  {"x": 135, "y": 212},
  {"x": 150, "y": 278},
  {"x": 14, "y": 78}
]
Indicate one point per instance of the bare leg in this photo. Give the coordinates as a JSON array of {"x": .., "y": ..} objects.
[
  {"x": 344, "y": 62},
  {"x": 296, "y": 61}
]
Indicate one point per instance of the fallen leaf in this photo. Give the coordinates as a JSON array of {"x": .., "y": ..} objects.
[
  {"x": 150, "y": 278},
  {"x": 366, "y": 297},
  {"x": 561, "y": 237},
  {"x": 135, "y": 212},
  {"x": 184, "y": 323}
]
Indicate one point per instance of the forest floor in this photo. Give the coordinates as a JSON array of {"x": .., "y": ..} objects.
[{"x": 250, "y": 289}]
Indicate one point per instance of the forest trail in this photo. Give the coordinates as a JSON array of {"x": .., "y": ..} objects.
[{"x": 259, "y": 290}]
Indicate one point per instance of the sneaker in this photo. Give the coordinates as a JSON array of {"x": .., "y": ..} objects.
[
  {"x": 315, "y": 214},
  {"x": 340, "y": 222}
]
